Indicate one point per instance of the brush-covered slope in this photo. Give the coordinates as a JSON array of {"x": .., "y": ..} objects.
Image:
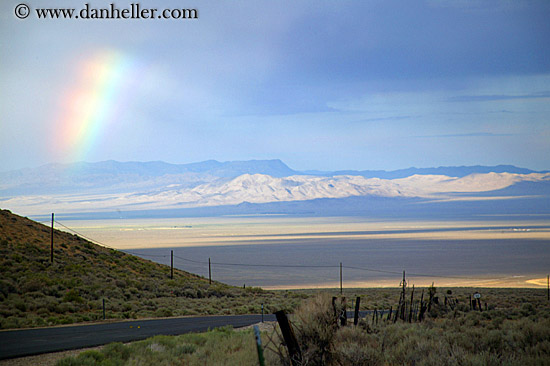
[{"x": 34, "y": 292}]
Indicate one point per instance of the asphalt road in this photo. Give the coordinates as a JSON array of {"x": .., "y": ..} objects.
[{"x": 28, "y": 342}]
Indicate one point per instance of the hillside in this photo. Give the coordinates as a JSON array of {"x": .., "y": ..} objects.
[{"x": 34, "y": 292}]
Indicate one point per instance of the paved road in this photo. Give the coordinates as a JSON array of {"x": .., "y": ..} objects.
[{"x": 27, "y": 342}]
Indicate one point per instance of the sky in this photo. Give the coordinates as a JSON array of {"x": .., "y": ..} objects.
[{"x": 326, "y": 85}]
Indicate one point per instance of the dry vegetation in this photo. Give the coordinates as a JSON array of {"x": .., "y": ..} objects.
[
  {"x": 513, "y": 336},
  {"x": 513, "y": 330},
  {"x": 34, "y": 292},
  {"x": 222, "y": 346}
]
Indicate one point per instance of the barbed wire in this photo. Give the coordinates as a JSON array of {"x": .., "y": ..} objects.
[
  {"x": 145, "y": 255},
  {"x": 106, "y": 245},
  {"x": 256, "y": 265},
  {"x": 84, "y": 236},
  {"x": 190, "y": 260},
  {"x": 409, "y": 274}
]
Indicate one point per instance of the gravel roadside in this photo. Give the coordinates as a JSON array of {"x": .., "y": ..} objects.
[{"x": 46, "y": 359}]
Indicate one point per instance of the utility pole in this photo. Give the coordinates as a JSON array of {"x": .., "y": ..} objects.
[
  {"x": 209, "y": 272},
  {"x": 341, "y": 278},
  {"x": 171, "y": 264},
  {"x": 51, "y": 243}
]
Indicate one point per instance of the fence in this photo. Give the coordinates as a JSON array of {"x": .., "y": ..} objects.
[{"x": 278, "y": 267}]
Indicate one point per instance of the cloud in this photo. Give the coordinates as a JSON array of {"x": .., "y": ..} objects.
[
  {"x": 473, "y": 134},
  {"x": 498, "y": 97},
  {"x": 316, "y": 82},
  {"x": 379, "y": 119}
]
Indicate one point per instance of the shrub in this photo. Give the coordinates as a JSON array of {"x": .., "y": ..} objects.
[
  {"x": 186, "y": 349},
  {"x": 6, "y": 288},
  {"x": 117, "y": 351},
  {"x": 315, "y": 328},
  {"x": 353, "y": 346},
  {"x": 86, "y": 358},
  {"x": 165, "y": 312},
  {"x": 73, "y": 296},
  {"x": 20, "y": 305}
]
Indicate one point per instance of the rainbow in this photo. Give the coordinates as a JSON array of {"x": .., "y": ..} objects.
[{"x": 93, "y": 104}]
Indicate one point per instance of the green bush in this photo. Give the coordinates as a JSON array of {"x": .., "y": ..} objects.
[
  {"x": 88, "y": 358},
  {"x": 165, "y": 312},
  {"x": 117, "y": 351},
  {"x": 316, "y": 326},
  {"x": 356, "y": 347},
  {"x": 20, "y": 305},
  {"x": 72, "y": 296}
]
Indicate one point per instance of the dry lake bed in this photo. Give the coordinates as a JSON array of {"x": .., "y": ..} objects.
[{"x": 304, "y": 252}]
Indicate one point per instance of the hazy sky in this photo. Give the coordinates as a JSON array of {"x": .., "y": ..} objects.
[{"x": 319, "y": 84}]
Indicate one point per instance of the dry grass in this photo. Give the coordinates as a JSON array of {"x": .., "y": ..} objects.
[
  {"x": 222, "y": 346},
  {"x": 34, "y": 292},
  {"x": 511, "y": 336}
]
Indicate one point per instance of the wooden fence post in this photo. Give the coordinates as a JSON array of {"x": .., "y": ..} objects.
[
  {"x": 51, "y": 243},
  {"x": 341, "y": 278},
  {"x": 336, "y": 314},
  {"x": 403, "y": 308},
  {"x": 431, "y": 293},
  {"x": 356, "y": 314},
  {"x": 421, "y": 311},
  {"x": 290, "y": 339},
  {"x": 411, "y": 309},
  {"x": 344, "y": 313}
]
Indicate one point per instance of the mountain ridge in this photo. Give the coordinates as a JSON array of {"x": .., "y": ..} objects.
[
  {"x": 274, "y": 167},
  {"x": 451, "y": 171},
  {"x": 129, "y": 186}
]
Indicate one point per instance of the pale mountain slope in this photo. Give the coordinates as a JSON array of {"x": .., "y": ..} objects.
[
  {"x": 261, "y": 188},
  {"x": 428, "y": 185}
]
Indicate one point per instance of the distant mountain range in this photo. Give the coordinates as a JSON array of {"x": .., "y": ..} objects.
[
  {"x": 113, "y": 175},
  {"x": 451, "y": 171},
  {"x": 119, "y": 176},
  {"x": 134, "y": 186}
]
